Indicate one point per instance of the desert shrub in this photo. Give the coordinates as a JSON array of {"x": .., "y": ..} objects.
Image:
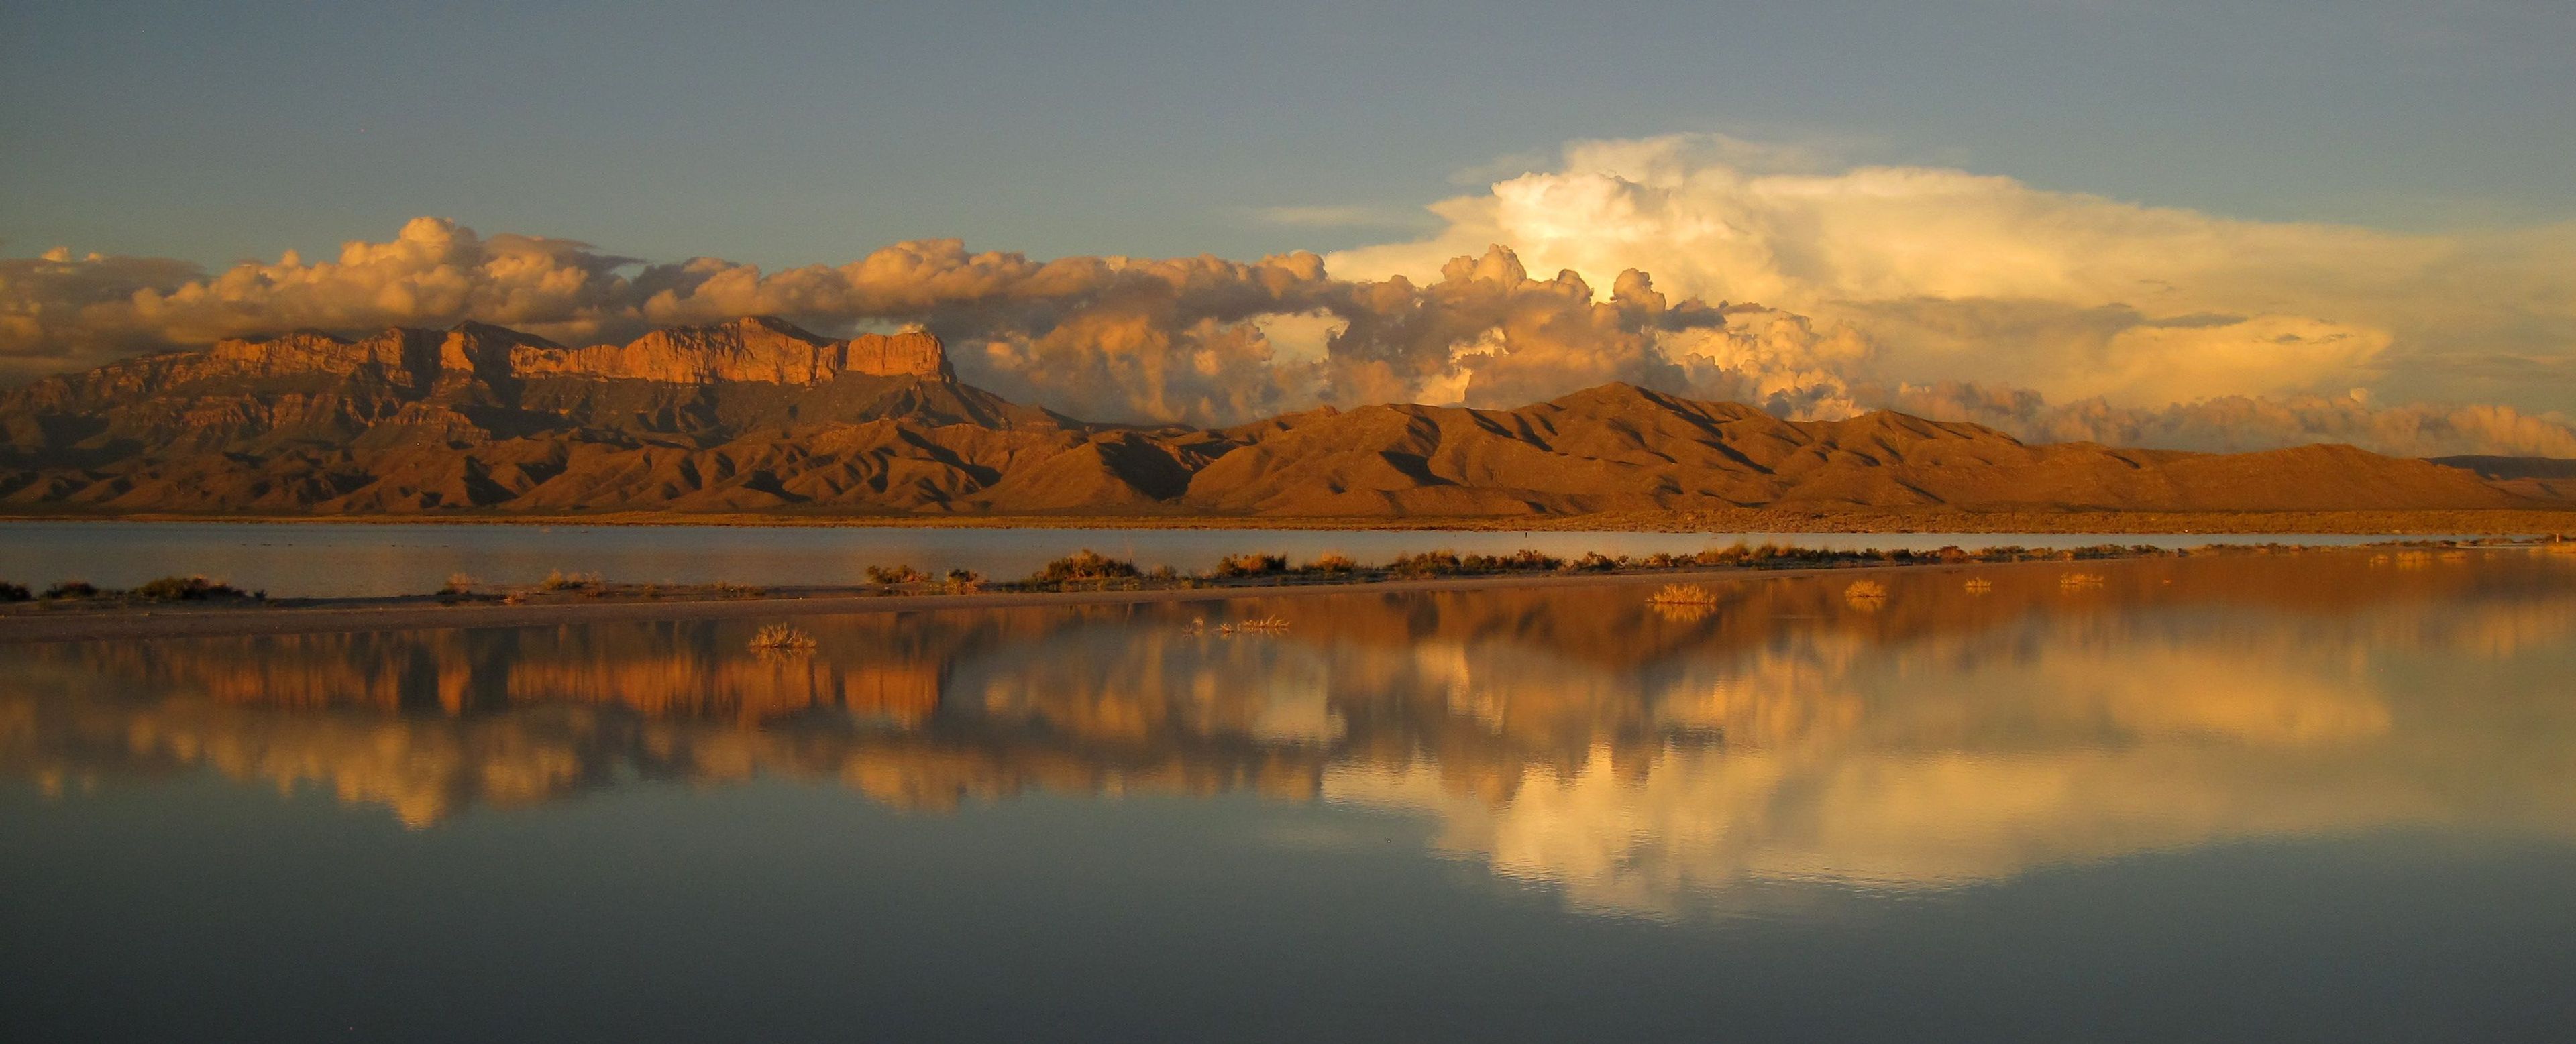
[
  {"x": 1738, "y": 553},
  {"x": 1524, "y": 560},
  {"x": 1086, "y": 564},
  {"x": 185, "y": 589},
  {"x": 896, "y": 574},
  {"x": 558, "y": 580},
  {"x": 1425, "y": 563},
  {"x": 728, "y": 589},
  {"x": 72, "y": 589},
  {"x": 1596, "y": 562},
  {"x": 1865, "y": 592},
  {"x": 1332, "y": 562},
  {"x": 1250, "y": 565},
  {"x": 457, "y": 584},
  {"x": 963, "y": 578},
  {"x": 1451, "y": 563},
  {"x": 12, "y": 593}
]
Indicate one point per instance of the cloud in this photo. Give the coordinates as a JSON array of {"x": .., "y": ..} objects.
[
  {"x": 1180, "y": 339},
  {"x": 2237, "y": 422},
  {"x": 1777, "y": 278},
  {"x": 1972, "y": 277}
]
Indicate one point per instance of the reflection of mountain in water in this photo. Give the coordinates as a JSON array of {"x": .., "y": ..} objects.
[{"x": 1938, "y": 736}]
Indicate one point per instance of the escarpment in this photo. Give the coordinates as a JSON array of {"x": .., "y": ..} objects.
[{"x": 756, "y": 415}]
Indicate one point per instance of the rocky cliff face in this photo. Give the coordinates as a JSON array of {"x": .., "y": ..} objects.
[
  {"x": 757, "y": 415},
  {"x": 751, "y": 349}
]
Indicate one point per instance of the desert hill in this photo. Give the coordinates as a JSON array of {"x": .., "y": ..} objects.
[
  {"x": 758, "y": 415},
  {"x": 2546, "y": 478}
]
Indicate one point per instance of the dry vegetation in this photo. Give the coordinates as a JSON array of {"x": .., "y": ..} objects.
[
  {"x": 193, "y": 588},
  {"x": 1091, "y": 571}
]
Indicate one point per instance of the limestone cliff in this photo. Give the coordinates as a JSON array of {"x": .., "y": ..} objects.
[
  {"x": 754, "y": 348},
  {"x": 751, "y": 349},
  {"x": 757, "y": 415}
]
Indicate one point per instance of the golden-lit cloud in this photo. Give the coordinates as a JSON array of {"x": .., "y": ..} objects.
[
  {"x": 1989, "y": 279},
  {"x": 1695, "y": 264}
]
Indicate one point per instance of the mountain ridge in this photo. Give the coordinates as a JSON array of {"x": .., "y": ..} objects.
[{"x": 756, "y": 415}]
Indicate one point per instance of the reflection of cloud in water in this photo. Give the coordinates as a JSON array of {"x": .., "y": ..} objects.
[
  {"x": 1639, "y": 762},
  {"x": 1896, "y": 775}
]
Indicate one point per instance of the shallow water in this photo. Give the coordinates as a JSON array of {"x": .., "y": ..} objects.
[
  {"x": 351, "y": 560},
  {"x": 2320, "y": 796}
]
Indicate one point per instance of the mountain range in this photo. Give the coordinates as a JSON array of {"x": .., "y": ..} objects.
[{"x": 756, "y": 415}]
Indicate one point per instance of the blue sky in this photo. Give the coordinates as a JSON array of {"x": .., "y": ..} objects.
[{"x": 786, "y": 133}]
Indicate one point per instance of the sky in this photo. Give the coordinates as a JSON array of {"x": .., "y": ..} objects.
[{"x": 2387, "y": 184}]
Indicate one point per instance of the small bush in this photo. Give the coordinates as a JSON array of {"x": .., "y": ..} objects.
[
  {"x": 896, "y": 574},
  {"x": 1451, "y": 563},
  {"x": 457, "y": 584},
  {"x": 1596, "y": 562},
  {"x": 1332, "y": 562},
  {"x": 185, "y": 589},
  {"x": 558, "y": 580},
  {"x": 1426, "y": 563},
  {"x": 1524, "y": 560},
  {"x": 1086, "y": 564},
  {"x": 1724, "y": 556},
  {"x": 71, "y": 589},
  {"x": 13, "y": 593},
  {"x": 965, "y": 579},
  {"x": 1250, "y": 565}
]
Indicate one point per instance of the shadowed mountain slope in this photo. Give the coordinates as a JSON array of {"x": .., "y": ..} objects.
[{"x": 757, "y": 415}]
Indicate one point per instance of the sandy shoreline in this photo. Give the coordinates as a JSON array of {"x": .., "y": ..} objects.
[
  {"x": 2494, "y": 522},
  {"x": 354, "y": 615}
]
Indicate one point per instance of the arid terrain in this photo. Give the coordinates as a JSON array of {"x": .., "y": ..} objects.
[{"x": 757, "y": 419}]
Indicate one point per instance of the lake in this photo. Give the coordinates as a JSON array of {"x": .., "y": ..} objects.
[
  {"x": 344, "y": 560},
  {"x": 2299, "y": 796}
]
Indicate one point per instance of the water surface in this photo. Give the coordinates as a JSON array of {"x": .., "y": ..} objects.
[{"x": 2325, "y": 796}]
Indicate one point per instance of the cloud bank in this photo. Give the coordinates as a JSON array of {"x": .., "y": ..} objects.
[
  {"x": 1777, "y": 279},
  {"x": 1959, "y": 276}
]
